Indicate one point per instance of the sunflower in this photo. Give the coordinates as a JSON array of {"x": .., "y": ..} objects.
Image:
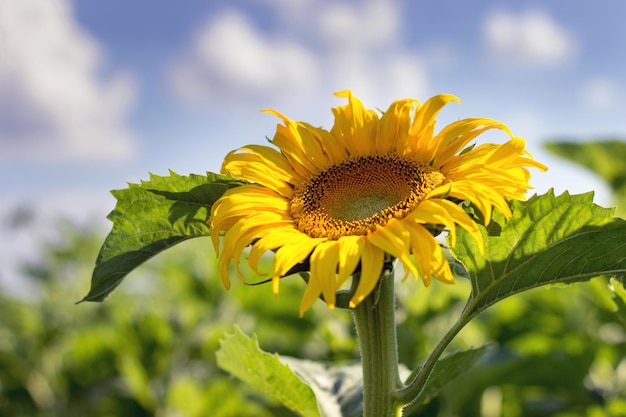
[{"x": 373, "y": 188}]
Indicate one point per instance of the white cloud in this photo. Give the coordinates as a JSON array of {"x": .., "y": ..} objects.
[
  {"x": 531, "y": 39},
  {"x": 362, "y": 51},
  {"x": 230, "y": 53},
  {"x": 314, "y": 49},
  {"x": 368, "y": 25},
  {"x": 54, "y": 105},
  {"x": 601, "y": 93}
]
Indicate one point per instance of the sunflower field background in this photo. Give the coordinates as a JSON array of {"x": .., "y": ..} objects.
[{"x": 149, "y": 350}]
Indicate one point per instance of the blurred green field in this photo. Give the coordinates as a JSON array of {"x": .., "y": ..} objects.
[{"x": 149, "y": 349}]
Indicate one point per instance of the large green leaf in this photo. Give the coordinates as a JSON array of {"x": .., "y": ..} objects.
[
  {"x": 548, "y": 240},
  {"x": 150, "y": 217},
  {"x": 241, "y": 356}
]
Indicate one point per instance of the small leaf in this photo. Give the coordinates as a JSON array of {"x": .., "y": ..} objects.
[
  {"x": 548, "y": 240},
  {"x": 150, "y": 217},
  {"x": 241, "y": 356},
  {"x": 446, "y": 369}
]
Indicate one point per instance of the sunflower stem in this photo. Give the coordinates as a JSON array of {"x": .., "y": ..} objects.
[{"x": 376, "y": 330}]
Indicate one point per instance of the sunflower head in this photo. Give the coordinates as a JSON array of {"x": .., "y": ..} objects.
[{"x": 375, "y": 186}]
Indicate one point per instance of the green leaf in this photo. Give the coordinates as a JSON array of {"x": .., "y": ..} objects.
[
  {"x": 241, "y": 356},
  {"x": 548, "y": 240},
  {"x": 446, "y": 369},
  {"x": 150, "y": 217}
]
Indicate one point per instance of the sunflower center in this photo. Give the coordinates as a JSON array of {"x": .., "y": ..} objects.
[{"x": 353, "y": 197}]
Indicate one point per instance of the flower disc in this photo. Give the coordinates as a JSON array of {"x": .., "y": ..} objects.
[{"x": 351, "y": 198}]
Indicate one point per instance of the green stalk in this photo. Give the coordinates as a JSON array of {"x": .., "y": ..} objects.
[{"x": 376, "y": 331}]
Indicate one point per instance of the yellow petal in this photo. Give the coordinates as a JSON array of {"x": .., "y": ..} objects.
[
  {"x": 311, "y": 294},
  {"x": 237, "y": 203},
  {"x": 333, "y": 148},
  {"x": 245, "y": 232},
  {"x": 350, "y": 248},
  {"x": 288, "y": 140},
  {"x": 435, "y": 212},
  {"x": 393, "y": 238},
  {"x": 249, "y": 168},
  {"x": 424, "y": 121},
  {"x": 355, "y": 125},
  {"x": 372, "y": 260},
  {"x": 324, "y": 262},
  {"x": 430, "y": 258},
  {"x": 290, "y": 255},
  {"x": 275, "y": 238},
  {"x": 427, "y": 113},
  {"x": 267, "y": 156},
  {"x": 393, "y": 127},
  {"x": 455, "y": 136},
  {"x": 444, "y": 212}
]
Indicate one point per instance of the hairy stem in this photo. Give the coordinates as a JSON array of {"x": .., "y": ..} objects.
[{"x": 376, "y": 331}]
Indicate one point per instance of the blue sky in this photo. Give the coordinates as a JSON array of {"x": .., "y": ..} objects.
[{"x": 97, "y": 93}]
